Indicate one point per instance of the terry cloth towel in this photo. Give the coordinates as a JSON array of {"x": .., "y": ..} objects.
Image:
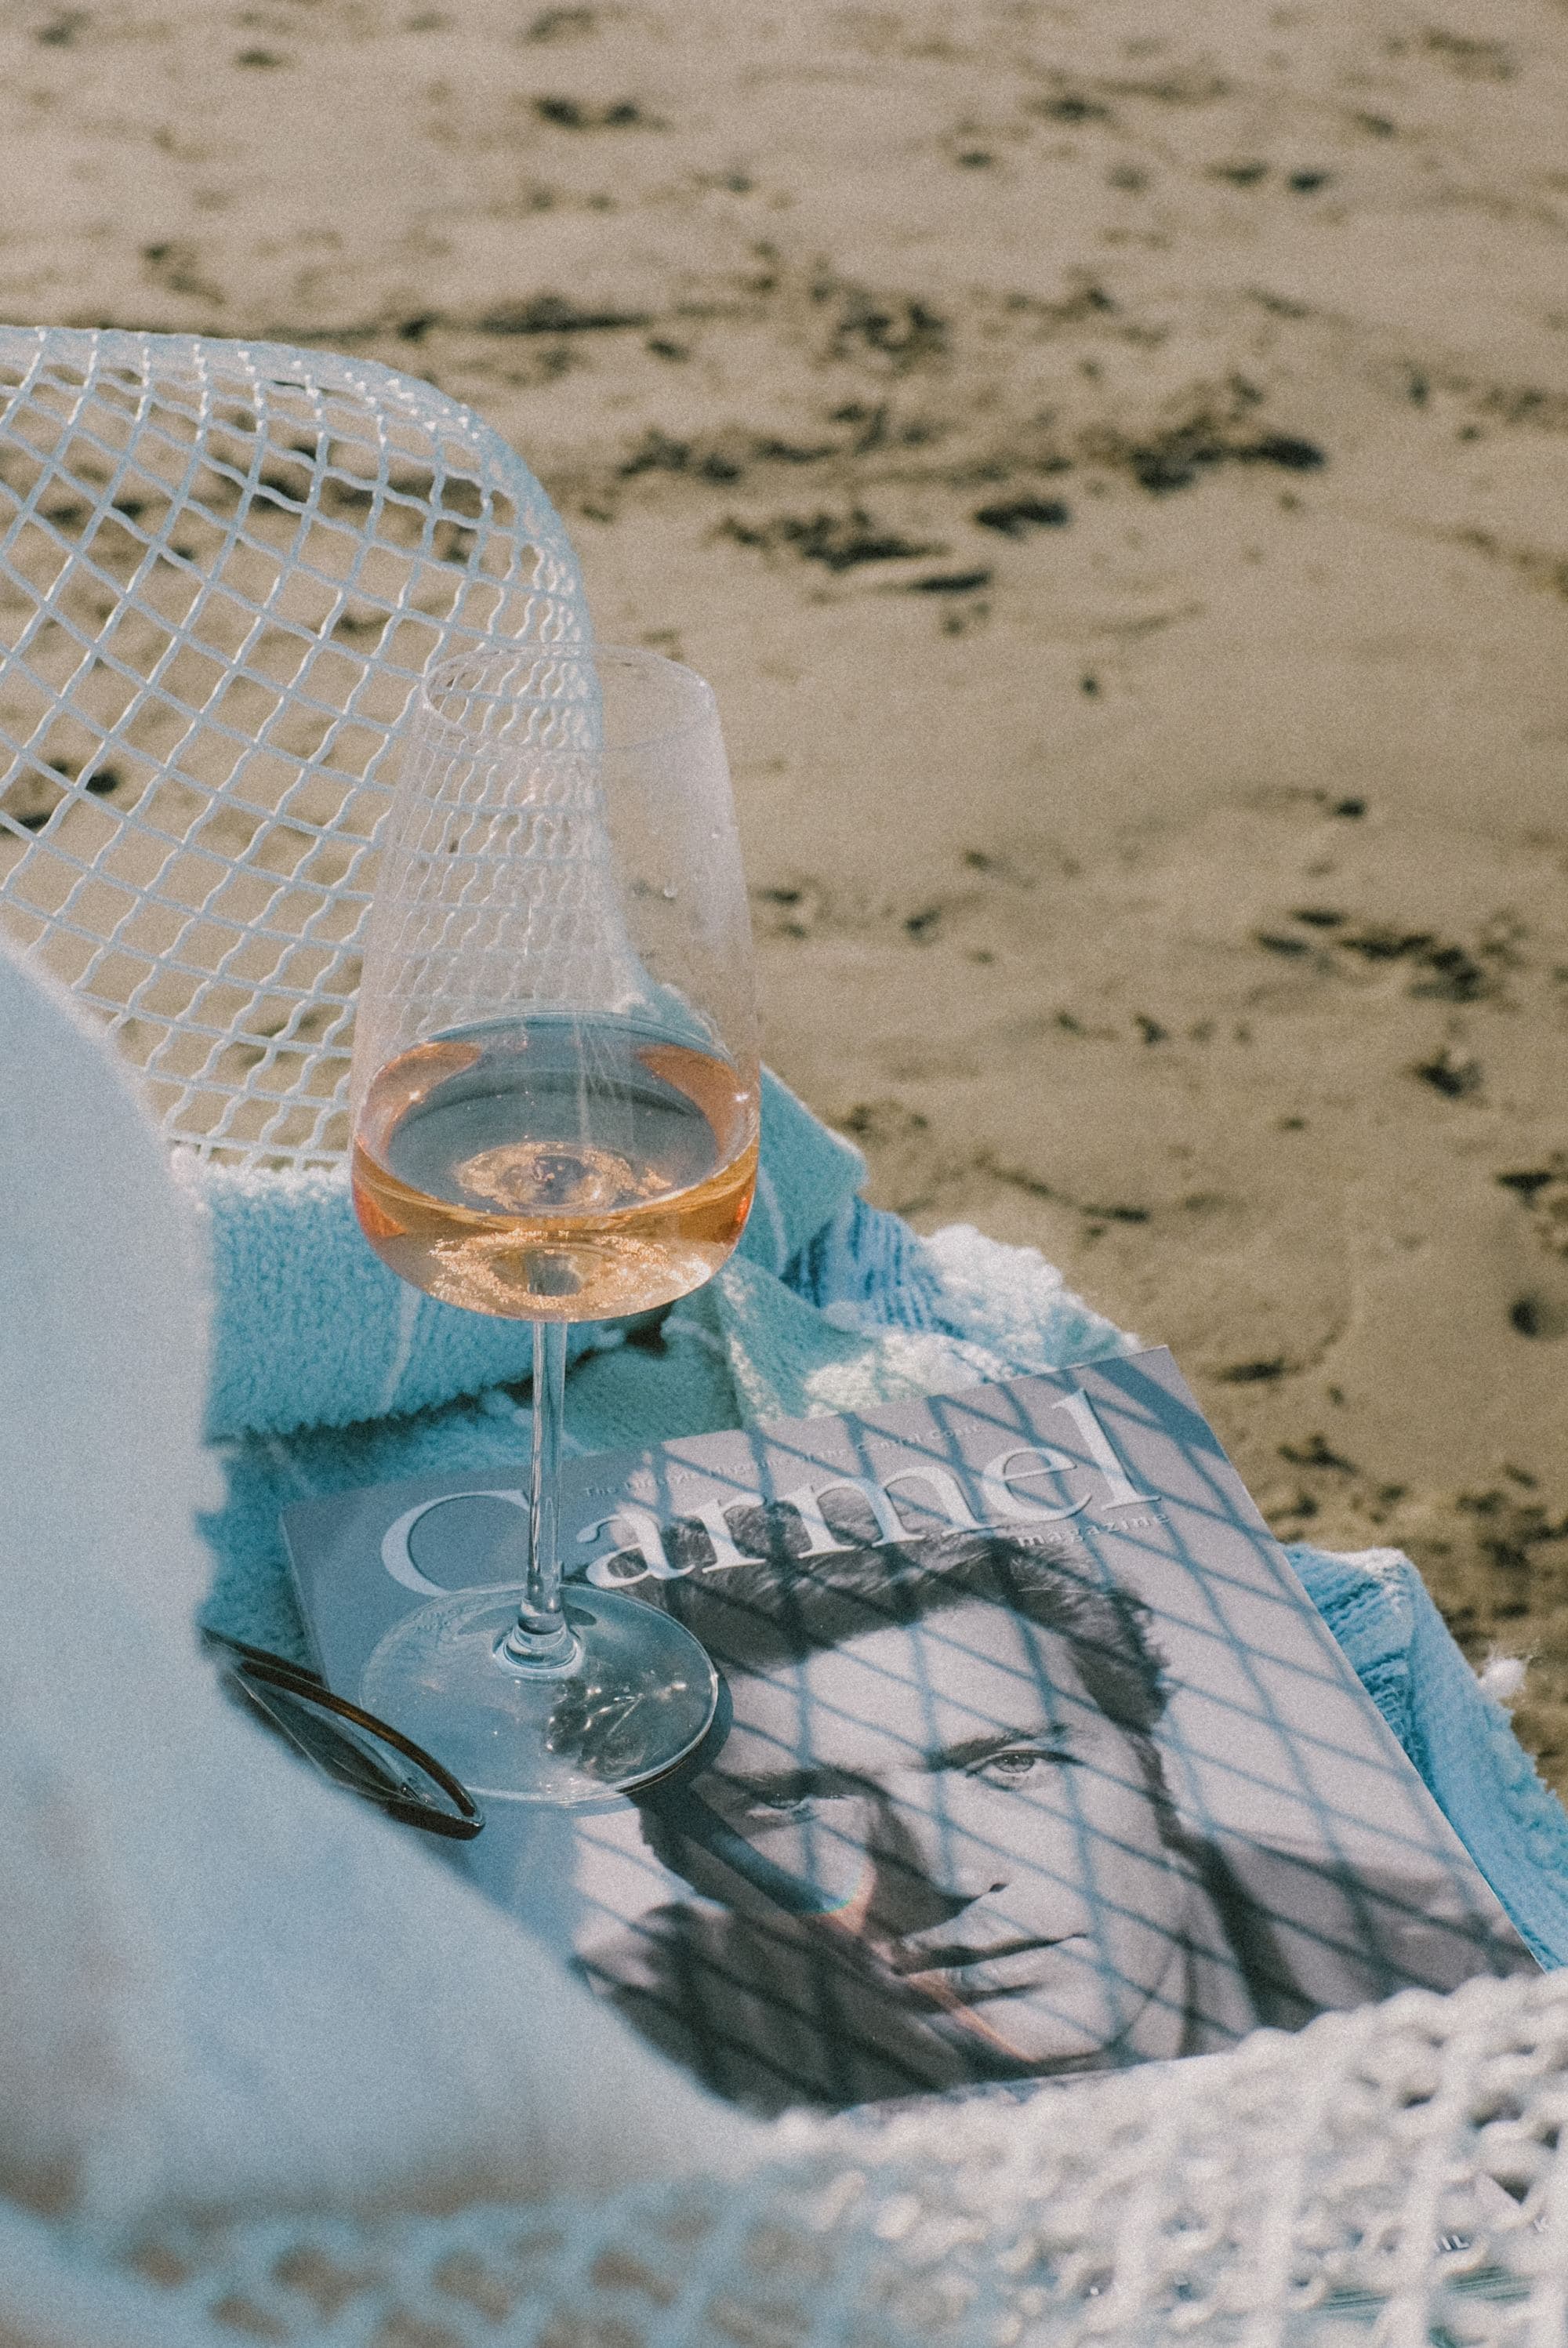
[
  {"x": 310, "y": 1329},
  {"x": 827, "y": 1305}
]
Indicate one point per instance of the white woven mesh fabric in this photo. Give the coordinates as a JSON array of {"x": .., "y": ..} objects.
[
  {"x": 1393, "y": 2175},
  {"x": 222, "y": 568}
]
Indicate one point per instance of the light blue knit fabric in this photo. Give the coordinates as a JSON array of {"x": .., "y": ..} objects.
[
  {"x": 311, "y": 1329},
  {"x": 829, "y": 1305}
]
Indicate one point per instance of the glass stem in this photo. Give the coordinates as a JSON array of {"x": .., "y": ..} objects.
[{"x": 542, "y": 1639}]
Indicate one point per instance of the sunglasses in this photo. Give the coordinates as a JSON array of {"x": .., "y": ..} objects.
[{"x": 345, "y": 1743}]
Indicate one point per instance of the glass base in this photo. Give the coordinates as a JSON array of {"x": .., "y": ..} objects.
[{"x": 633, "y": 1702}]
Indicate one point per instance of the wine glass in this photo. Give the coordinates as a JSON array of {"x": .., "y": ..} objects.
[{"x": 555, "y": 1110}]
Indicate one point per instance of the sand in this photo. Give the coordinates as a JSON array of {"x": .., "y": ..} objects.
[{"x": 1112, "y": 462}]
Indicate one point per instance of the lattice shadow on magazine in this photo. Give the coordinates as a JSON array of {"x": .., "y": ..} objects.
[{"x": 987, "y": 1806}]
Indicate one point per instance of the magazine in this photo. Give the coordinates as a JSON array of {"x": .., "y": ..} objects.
[{"x": 1033, "y": 1757}]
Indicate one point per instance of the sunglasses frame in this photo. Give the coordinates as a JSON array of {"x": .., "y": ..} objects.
[{"x": 255, "y": 1666}]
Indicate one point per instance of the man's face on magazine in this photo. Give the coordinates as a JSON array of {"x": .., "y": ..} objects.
[{"x": 944, "y": 1803}]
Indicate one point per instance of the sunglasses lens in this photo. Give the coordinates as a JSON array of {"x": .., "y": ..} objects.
[{"x": 352, "y": 1755}]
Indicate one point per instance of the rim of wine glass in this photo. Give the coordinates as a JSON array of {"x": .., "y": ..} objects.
[{"x": 474, "y": 658}]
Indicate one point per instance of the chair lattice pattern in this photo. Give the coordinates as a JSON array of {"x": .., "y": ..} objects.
[
  {"x": 224, "y": 568},
  {"x": 1389, "y": 2178}
]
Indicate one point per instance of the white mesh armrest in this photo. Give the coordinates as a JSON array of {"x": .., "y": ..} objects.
[{"x": 222, "y": 568}]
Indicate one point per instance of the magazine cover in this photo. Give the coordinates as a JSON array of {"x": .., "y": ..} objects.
[{"x": 1032, "y": 1755}]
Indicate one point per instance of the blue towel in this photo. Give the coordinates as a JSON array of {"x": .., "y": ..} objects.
[
  {"x": 310, "y": 1329},
  {"x": 828, "y": 1304}
]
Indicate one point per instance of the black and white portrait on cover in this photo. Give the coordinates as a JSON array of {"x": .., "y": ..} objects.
[{"x": 931, "y": 1844}]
